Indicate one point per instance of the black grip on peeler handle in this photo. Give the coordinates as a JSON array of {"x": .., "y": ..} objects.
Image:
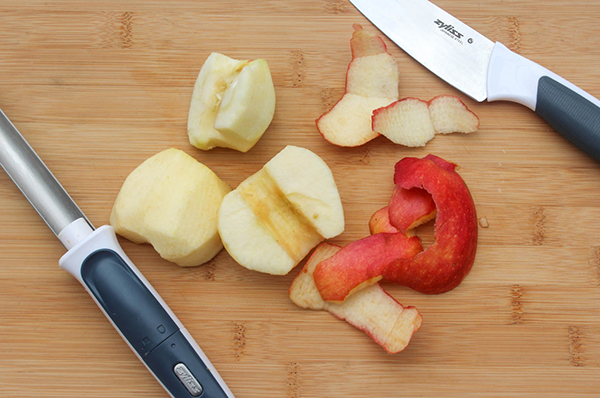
[{"x": 148, "y": 327}]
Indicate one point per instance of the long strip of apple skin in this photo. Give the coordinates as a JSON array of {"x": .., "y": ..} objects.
[{"x": 372, "y": 310}]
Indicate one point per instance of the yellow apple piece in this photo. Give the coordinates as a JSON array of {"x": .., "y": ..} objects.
[
  {"x": 232, "y": 105},
  {"x": 371, "y": 83},
  {"x": 371, "y": 310},
  {"x": 171, "y": 201},
  {"x": 272, "y": 220}
]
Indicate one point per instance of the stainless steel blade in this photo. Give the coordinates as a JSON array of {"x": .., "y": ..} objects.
[
  {"x": 443, "y": 44},
  {"x": 35, "y": 181}
]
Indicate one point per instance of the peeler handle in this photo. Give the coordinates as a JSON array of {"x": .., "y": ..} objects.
[{"x": 142, "y": 318}]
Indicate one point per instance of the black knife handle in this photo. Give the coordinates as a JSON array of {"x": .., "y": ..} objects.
[
  {"x": 572, "y": 115},
  {"x": 572, "y": 112}
]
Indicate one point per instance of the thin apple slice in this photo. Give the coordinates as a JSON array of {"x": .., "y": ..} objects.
[
  {"x": 272, "y": 220},
  {"x": 371, "y": 83},
  {"x": 450, "y": 115},
  {"x": 171, "y": 201},
  {"x": 405, "y": 122},
  {"x": 362, "y": 263},
  {"x": 371, "y": 310},
  {"x": 413, "y": 122},
  {"x": 232, "y": 105}
]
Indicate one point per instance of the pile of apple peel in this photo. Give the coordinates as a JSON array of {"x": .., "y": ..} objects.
[
  {"x": 425, "y": 189},
  {"x": 371, "y": 107}
]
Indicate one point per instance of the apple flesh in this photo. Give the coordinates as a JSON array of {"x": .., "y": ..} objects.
[
  {"x": 413, "y": 122},
  {"x": 171, "y": 201},
  {"x": 232, "y": 105},
  {"x": 450, "y": 115},
  {"x": 371, "y": 83},
  {"x": 272, "y": 220},
  {"x": 371, "y": 310}
]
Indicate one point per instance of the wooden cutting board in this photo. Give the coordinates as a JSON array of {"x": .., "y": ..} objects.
[{"x": 98, "y": 87}]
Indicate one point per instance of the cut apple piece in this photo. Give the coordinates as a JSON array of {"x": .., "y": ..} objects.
[
  {"x": 413, "y": 122},
  {"x": 272, "y": 220},
  {"x": 371, "y": 83},
  {"x": 371, "y": 310},
  {"x": 171, "y": 201},
  {"x": 405, "y": 122},
  {"x": 362, "y": 263},
  {"x": 450, "y": 115},
  {"x": 444, "y": 264},
  {"x": 232, "y": 105}
]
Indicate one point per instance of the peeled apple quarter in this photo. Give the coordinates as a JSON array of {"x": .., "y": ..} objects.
[{"x": 171, "y": 201}]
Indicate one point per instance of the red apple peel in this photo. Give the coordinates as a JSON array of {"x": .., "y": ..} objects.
[{"x": 372, "y": 310}]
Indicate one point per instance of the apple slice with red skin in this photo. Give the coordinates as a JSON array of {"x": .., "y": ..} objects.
[
  {"x": 363, "y": 263},
  {"x": 372, "y": 310},
  {"x": 445, "y": 263}
]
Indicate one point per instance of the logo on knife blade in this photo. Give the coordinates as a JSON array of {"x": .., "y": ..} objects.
[{"x": 450, "y": 30}]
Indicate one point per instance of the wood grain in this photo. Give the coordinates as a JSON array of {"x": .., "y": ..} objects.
[{"x": 98, "y": 87}]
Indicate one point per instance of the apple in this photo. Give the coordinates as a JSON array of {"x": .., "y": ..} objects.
[
  {"x": 413, "y": 122},
  {"x": 450, "y": 115},
  {"x": 445, "y": 263},
  {"x": 425, "y": 189},
  {"x": 371, "y": 310},
  {"x": 362, "y": 263},
  {"x": 272, "y": 220},
  {"x": 171, "y": 201},
  {"x": 232, "y": 105},
  {"x": 380, "y": 222},
  {"x": 371, "y": 83},
  {"x": 409, "y": 208},
  {"x": 406, "y": 122}
]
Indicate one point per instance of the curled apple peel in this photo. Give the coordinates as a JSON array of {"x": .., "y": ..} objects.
[
  {"x": 444, "y": 264},
  {"x": 425, "y": 189}
]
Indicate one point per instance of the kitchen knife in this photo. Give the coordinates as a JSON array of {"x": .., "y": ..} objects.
[
  {"x": 482, "y": 69},
  {"x": 95, "y": 258}
]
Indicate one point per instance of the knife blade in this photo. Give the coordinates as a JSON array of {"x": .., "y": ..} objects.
[
  {"x": 95, "y": 258},
  {"x": 483, "y": 69}
]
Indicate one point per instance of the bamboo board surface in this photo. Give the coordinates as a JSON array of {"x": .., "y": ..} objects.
[{"x": 98, "y": 87}]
